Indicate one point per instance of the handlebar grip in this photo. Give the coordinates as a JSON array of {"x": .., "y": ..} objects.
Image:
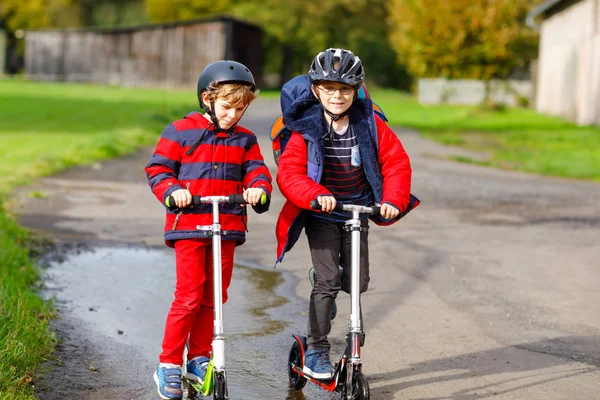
[
  {"x": 196, "y": 200},
  {"x": 237, "y": 199},
  {"x": 170, "y": 203},
  {"x": 314, "y": 204},
  {"x": 376, "y": 211}
]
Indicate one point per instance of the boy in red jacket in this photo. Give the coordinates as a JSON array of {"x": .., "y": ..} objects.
[
  {"x": 204, "y": 155},
  {"x": 339, "y": 151}
]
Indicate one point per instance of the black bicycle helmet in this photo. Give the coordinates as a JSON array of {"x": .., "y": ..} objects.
[
  {"x": 349, "y": 67},
  {"x": 220, "y": 72},
  {"x": 224, "y": 71}
]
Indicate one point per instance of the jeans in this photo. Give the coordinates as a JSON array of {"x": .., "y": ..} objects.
[{"x": 330, "y": 248}]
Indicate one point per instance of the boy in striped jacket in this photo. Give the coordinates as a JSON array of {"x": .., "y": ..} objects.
[
  {"x": 339, "y": 151},
  {"x": 204, "y": 154}
]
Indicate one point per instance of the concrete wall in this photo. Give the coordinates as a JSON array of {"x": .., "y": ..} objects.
[
  {"x": 569, "y": 64},
  {"x": 472, "y": 92}
]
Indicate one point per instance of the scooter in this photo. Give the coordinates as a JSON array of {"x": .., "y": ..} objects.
[
  {"x": 215, "y": 380},
  {"x": 347, "y": 377}
]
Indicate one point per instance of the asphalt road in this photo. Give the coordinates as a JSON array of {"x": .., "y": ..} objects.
[{"x": 488, "y": 290}]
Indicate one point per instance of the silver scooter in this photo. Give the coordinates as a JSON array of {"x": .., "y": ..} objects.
[
  {"x": 347, "y": 377},
  {"x": 215, "y": 380}
]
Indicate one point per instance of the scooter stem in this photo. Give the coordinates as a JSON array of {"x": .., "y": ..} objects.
[
  {"x": 218, "y": 344},
  {"x": 355, "y": 290}
]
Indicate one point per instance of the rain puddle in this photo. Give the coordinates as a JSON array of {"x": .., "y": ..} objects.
[{"x": 119, "y": 298}]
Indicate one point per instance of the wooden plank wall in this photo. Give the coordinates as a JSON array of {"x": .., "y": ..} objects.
[{"x": 170, "y": 57}]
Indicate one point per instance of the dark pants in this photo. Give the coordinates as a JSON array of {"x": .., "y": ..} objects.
[{"x": 331, "y": 246}]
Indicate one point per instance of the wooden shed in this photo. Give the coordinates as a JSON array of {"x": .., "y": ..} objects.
[
  {"x": 167, "y": 55},
  {"x": 568, "y": 83}
]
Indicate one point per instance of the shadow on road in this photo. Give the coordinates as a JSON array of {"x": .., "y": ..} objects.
[{"x": 500, "y": 364}]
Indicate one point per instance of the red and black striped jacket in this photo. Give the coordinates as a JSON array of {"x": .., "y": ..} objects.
[{"x": 221, "y": 165}]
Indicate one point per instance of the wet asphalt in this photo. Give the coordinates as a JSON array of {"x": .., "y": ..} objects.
[
  {"x": 109, "y": 292},
  {"x": 488, "y": 290}
]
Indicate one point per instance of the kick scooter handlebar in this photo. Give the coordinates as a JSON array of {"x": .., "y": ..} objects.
[
  {"x": 373, "y": 210},
  {"x": 197, "y": 200}
]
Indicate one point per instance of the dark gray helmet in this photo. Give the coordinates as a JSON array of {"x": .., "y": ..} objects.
[
  {"x": 349, "y": 69},
  {"x": 224, "y": 71}
]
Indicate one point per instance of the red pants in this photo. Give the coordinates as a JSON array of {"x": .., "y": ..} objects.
[{"x": 191, "y": 315}]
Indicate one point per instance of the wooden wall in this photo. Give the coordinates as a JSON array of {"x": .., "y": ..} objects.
[{"x": 164, "y": 55}]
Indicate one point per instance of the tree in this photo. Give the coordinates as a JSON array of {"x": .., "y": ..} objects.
[
  {"x": 360, "y": 25},
  {"x": 484, "y": 39},
  {"x": 35, "y": 14},
  {"x": 177, "y": 10},
  {"x": 112, "y": 12},
  {"x": 298, "y": 29},
  {"x": 18, "y": 15},
  {"x": 293, "y": 31}
]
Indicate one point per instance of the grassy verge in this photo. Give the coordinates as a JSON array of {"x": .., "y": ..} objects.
[
  {"x": 24, "y": 336},
  {"x": 517, "y": 139},
  {"x": 46, "y": 128}
]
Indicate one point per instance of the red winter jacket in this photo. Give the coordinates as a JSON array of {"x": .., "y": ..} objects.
[
  {"x": 300, "y": 167},
  {"x": 221, "y": 165}
]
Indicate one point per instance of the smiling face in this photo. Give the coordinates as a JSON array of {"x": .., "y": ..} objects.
[{"x": 336, "y": 97}]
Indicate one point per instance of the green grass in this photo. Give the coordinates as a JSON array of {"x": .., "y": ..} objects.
[
  {"x": 519, "y": 139},
  {"x": 24, "y": 336},
  {"x": 47, "y": 128}
]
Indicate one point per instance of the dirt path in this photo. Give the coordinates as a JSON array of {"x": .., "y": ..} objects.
[{"x": 488, "y": 290}]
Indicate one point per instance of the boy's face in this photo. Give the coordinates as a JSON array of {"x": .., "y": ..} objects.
[
  {"x": 336, "y": 97},
  {"x": 227, "y": 114}
]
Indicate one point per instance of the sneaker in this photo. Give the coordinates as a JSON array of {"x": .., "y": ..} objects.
[
  {"x": 196, "y": 369},
  {"x": 168, "y": 382},
  {"x": 312, "y": 277},
  {"x": 318, "y": 364}
]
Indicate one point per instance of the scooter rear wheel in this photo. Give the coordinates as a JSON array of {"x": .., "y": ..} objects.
[
  {"x": 220, "y": 389},
  {"x": 297, "y": 382}
]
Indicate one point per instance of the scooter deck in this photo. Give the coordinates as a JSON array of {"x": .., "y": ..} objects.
[
  {"x": 207, "y": 387},
  {"x": 327, "y": 384}
]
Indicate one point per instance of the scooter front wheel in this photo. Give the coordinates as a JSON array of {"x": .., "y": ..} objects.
[
  {"x": 360, "y": 387},
  {"x": 297, "y": 382},
  {"x": 220, "y": 388}
]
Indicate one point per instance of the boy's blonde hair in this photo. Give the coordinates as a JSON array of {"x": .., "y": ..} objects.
[{"x": 233, "y": 93}]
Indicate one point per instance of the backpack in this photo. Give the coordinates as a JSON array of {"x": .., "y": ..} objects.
[{"x": 280, "y": 135}]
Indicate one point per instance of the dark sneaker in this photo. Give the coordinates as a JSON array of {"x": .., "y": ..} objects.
[
  {"x": 312, "y": 277},
  {"x": 196, "y": 369},
  {"x": 318, "y": 364},
  {"x": 168, "y": 382}
]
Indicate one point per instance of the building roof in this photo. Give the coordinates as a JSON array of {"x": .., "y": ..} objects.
[{"x": 543, "y": 8}]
